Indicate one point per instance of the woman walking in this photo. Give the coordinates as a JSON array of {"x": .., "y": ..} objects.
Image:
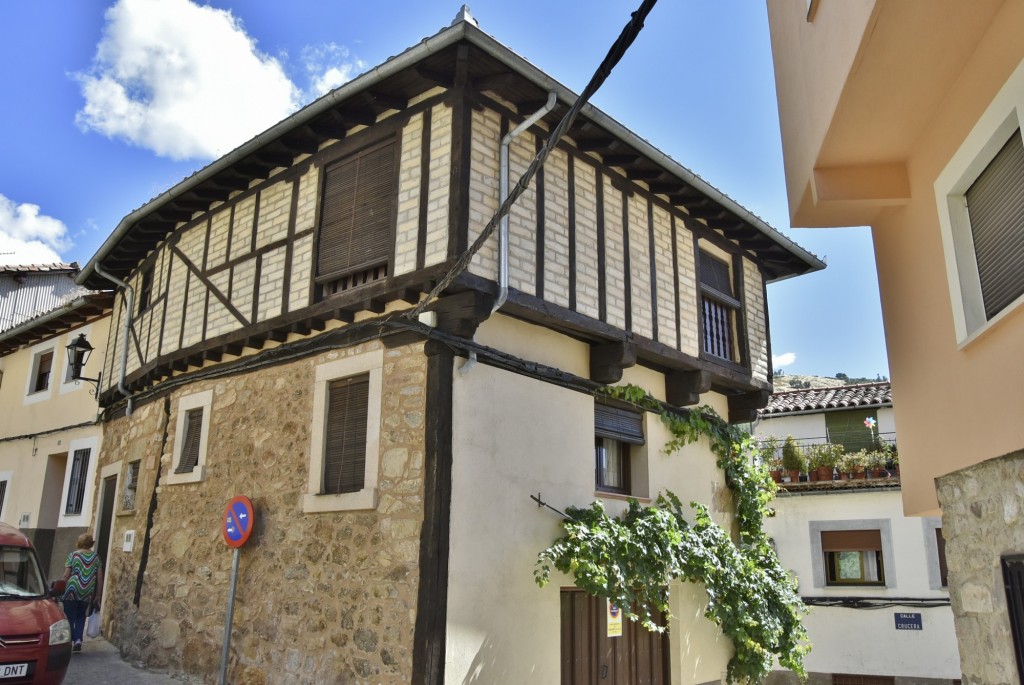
[{"x": 84, "y": 577}]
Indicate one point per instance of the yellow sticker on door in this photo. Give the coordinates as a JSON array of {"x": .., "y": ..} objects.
[{"x": 614, "y": 620}]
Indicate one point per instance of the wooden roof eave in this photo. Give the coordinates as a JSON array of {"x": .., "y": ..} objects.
[{"x": 71, "y": 315}]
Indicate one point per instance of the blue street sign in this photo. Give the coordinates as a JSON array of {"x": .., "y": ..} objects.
[
  {"x": 238, "y": 521},
  {"x": 908, "y": 621}
]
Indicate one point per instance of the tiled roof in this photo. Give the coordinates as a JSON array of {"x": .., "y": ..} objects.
[
  {"x": 842, "y": 397},
  {"x": 29, "y": 268}
]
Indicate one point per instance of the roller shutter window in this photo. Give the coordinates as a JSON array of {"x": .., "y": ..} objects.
[
  {"x": 853, "y": 557},
  {"x": 357, "y": 213},
  {"x": 345, "y": 435},
  {"x": 615, "y": 429},
  {"x": 190, "y": 447},
  {"x": 995, "y": 204}
]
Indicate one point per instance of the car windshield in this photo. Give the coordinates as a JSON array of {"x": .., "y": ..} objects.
[{"x": 19, "y": 573}]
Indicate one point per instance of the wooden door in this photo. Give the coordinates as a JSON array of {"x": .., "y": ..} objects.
[{"x": 590, "y": 657}]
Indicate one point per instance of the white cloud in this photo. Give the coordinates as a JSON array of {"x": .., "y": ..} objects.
[
  {"x": 785, "y": 359},
  {"x": 183, "y": 80},
  {"x": 330, "y": 66},
  {"x": 26, "y": 237}
]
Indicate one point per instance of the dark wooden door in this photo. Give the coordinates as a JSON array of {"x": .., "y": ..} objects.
[
  {"x": 590, "y": 657},
  {"x": 108, "y": 496}
]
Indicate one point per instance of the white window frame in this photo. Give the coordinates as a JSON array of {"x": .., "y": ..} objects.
[
  {"x": 884, "y": 526},
  {"x": 979, "y": 148},
  {"x": 198, "y": 400},
  {"x": 314, "y": 500},
  {"x": 33, "y": 368},
  {"x": 80, "y": 520},
  {"x": 6, "y": 477}
]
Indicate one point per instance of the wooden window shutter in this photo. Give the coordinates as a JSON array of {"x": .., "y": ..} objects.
[
  {"x": 618, "y": 424},
  {"x": 357, "y": 212},
  {"x": 714, "y": 274},
  {"x": 76, "y": 486},
  {"x": 851, "y": 540},
  {"x": 345, "y": 435},
  {"x": 190, "y": 446},
  {"x": 995, "y": 204}
]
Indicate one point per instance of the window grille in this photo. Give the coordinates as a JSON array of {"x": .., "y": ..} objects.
[{"x": 77, "y": 483}]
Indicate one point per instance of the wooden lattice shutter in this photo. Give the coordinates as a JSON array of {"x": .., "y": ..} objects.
[
  {"x": 619, "y": 424},
  {"x": 714, "y": 274},
  {"x": 995, "y": 203},
  {"x": 190, "y": 446},
  {"x": 345, "y": 435},
  {"x": 357, "y": 212}
]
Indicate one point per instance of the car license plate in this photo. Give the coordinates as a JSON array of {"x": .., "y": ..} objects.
[{"x": 13, "y": 670}]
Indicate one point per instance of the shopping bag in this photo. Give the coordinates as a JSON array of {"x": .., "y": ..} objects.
[{"x": 92, "y": 625}]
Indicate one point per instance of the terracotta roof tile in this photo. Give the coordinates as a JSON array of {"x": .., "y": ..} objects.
[{"x": 843, "y": 396}]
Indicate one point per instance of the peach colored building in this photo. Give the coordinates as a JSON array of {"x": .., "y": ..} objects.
[{"x": 906, "y": 116}]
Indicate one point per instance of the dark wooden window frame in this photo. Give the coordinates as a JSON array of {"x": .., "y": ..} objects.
[
  {"x": 1013, "y": 580},
  {"x": 344, "y": 279},
  {"x": 717, "y": 302},
  {"x": 345, "y": 434},
  {"x": 145, "y": 297}
]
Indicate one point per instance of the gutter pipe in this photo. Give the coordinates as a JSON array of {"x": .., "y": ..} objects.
[
  {"x": 129, "y": 295},
  {"x": 468, "y": 365},
  {"x": 503, "y": 195}
]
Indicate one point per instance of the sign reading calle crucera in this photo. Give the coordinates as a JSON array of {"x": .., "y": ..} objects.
[{"x": 907, "y": 621}]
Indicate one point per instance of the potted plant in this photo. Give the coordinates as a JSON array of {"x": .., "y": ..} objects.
[
  {"x": 823, "y": 460},
  {"x": 769, "y": 455},
  {"x": 793, "y": 459},
  {"x": 852, "y": 465}
]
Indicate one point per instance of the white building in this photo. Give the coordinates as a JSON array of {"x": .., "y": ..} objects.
[{"x": 874, "y": 579}]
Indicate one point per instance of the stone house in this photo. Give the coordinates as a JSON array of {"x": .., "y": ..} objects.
[
  {"x": 874, "y": 579},
  {"x": 391, "y": 458},
  {"x": 906, "y": 116},
  {"x": 50, "y": 432}
]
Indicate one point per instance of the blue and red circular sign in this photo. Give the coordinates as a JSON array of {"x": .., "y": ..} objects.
[{"x": 238, "y": 521}]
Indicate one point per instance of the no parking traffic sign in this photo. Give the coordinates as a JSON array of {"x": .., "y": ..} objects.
[{"x": 238, "y": 521}]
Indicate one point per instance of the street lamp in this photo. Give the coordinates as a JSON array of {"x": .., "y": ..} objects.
[{"x": 78, "y": 355}]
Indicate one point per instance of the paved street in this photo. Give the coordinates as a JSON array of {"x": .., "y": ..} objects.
[{"x": 100, "y": 664}]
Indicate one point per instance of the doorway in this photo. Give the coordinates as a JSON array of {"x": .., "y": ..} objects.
[
  {"x": 108, "y": 497},
  {"x": 590, "y": 655}
]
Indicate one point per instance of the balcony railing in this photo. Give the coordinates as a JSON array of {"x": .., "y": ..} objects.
[{"x": 848, "y": 454}]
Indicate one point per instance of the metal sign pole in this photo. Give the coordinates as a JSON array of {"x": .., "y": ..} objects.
[{"x": 230, "y": 618}]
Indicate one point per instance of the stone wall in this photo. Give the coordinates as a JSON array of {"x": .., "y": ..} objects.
[
  {"x": 321, "y": 597},
  {"x": 982, "y": 520}
]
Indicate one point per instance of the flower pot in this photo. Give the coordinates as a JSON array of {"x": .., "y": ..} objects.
[
  {"x": 776, "y": 475},
  {"x": 823, "y": 473},
  {"x": 794, "y": 476}
]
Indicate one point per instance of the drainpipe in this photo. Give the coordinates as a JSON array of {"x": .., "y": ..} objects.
[
  {"x": 503, "y": 225},
  {"x": 129, "y": 294},
  {"x": 503, "y": 190}
]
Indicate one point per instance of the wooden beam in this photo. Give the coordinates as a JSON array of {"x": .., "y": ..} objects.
[
  {"x": 607, "y": 360},
  {"x": 386, "y": 100},
  {"x": 684, "y": 388},
  {"x": 743, "y": 407},
  {"x": 460, "y": 314},
  {"x": 620, "y": 159},
  {"x": 593, "y": 144},
  {"x": 358, "y": 116},
  {"x": 440, "y": 79},
  {"x": 643, "y": 174},
  {"x": 275, "y": 159},
  {"x": 253, "y": 169},
  {"x": 495, "y": 81}
]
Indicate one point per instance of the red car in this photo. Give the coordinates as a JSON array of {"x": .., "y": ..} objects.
[{"x": 35, "y": 638}]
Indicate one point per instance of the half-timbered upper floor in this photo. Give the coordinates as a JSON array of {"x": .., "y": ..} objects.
[{"x": 358, "y": 204}]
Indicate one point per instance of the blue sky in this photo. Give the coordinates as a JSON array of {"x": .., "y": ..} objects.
[{"x": 109, "y": 103}]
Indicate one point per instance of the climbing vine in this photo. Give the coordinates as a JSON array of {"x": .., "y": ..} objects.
[{"x": 632, "y": 559}]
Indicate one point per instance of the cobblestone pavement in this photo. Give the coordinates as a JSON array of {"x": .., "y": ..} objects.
[{"x": 99, "y": 663}]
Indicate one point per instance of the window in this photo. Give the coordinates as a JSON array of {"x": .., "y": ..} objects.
[
  {"x": 131, "y": 485},
  {"x": 191, "y": 435},
  {"x": 77, "y": 483},
  {"x": 345, "y": 439},
  {"x": 356, "y": 218},
  {"x": 1013, "y": 579},
  {"x": 615, "y": 431},
  {"x": 41, "y": 368},
  {"x": 847, "y": 428},
  {"x": 145, "y": 288},
  {"x": 940, "y": 546},
  {"x": 345, "y": 434},
  {"x": 853, "y": 557},
  {"x": 995, "y": 210},
  {"x": 718, "y": 307}
]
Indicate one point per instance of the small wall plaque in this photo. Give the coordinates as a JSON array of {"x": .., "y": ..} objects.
[
  {"x": 907, "y": 621},
  {"x": 25, "y": 519},
  {"x": 129, "y": 541}
]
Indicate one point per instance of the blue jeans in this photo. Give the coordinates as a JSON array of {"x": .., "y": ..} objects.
[{"x": 76, "y": 611}]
